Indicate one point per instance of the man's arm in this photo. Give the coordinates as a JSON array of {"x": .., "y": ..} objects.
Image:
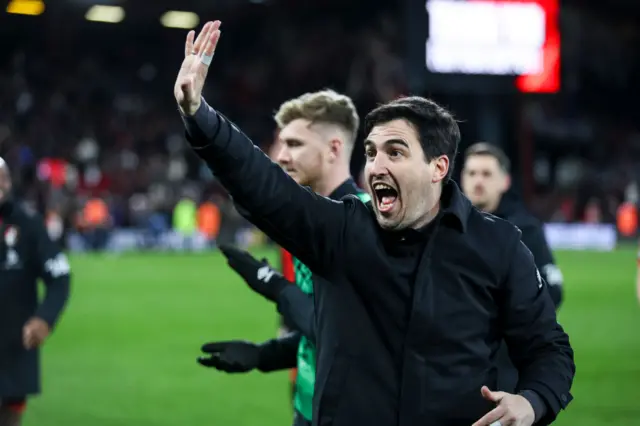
[
  {"x": 55, "y": 272},
  {"x": 280, "y": 353},
  {"x": 533, "y": 237},
  {"x": 310, "y": 226},
  {"x": 538, "y": 346},
  {"x": 297, "y": 308}
]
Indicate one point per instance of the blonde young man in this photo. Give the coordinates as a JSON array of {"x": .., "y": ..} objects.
[{"x": 314, "y": 146}]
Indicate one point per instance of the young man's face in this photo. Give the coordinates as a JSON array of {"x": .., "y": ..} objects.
[
  {"x": 484, "y": 181},
  {"x": 5, "y": 182},
  {"x": 302, "y": 152},
  {"x": 402, "y": 183}
]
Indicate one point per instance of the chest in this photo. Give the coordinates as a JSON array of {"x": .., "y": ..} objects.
[
  {"x": 15, "y": 247},
  {"x": 445, "y": 291}
]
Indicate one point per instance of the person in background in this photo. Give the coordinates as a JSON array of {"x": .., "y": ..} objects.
[
  {"x": 185, "y": 222},
  {"x": 486, "y": 182},
  {"x": 208, "y": 218},
  {"x": 27, "y": 255},
  {"x": 95, "y": 220},
  {"x": 316, "y": 139}
]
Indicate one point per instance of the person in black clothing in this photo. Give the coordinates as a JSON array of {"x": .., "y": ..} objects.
[
  {"x": 423, "y": 286},
  {"x": 316, "y": 136},
  {"x": 486, "y": 182},
  {"x": 26, "y": 254}
]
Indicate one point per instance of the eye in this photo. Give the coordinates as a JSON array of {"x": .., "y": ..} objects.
[
  {"x": 369, "y": 153},
  {"x": 395, "y": 153}
]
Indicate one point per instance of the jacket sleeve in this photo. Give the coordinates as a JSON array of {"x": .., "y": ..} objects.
[
  {"x": 297, "y": 309},
  {"x": 55, "y": 271},
  {"x": 533, "y": 237},
  {"x": 280, "y": 353},
  {"x": 538, "y": 346},
  {"x": 308, "y": 225}
]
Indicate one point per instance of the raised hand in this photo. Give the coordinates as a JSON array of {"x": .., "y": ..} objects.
[{"x": 195, "y": 67}]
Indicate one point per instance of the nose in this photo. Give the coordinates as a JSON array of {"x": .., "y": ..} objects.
[
  {"x": 283, "y": 156},
  {"x": 379, "y": 166}
]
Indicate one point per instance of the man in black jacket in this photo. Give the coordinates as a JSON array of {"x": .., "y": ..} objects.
[
  {"x": 423, "y": 286},
  {"x": 486, "y": 182},
  {"x": 26, "y": 254}
]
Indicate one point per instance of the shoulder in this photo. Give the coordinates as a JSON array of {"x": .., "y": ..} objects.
[
  {"x": 482, "y": 223},
  {"x": 491, "y": 235}
]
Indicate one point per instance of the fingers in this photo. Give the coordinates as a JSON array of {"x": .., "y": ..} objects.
[
  {"x": 201, "y": 39},
  {"x": 212, "y": 40},
  {"x": 491, "y": 417},
  {"x": 230, "y": 251},
  {"x": 210, "y": 361},
  {"x": 214, "y": 347},
  {"x": 188, "y": 46},
  {"x": 27, "y": 337},
  {"x": 491, "y": 396}
]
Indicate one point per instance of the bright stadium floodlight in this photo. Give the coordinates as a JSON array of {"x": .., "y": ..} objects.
[
  {"x": 179, "y": 19},
  {"x": 102, "y": 13},
  {"x": 26, "y": 7}
]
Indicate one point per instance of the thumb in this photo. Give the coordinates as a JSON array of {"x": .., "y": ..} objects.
[{"x": 491, "y": 396}]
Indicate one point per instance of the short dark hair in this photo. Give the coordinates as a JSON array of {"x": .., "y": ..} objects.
[
  {"x": 437, "y": 129},
  {"x": 485, "y": 148}
]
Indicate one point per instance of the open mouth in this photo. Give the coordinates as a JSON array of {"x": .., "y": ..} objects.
[{"x": 386, "y": 196}]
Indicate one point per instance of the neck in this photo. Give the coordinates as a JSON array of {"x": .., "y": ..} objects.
[
  {"x": 433, "y": 211},
  {"x": 331, "y": 182},
  {"x": 492, "y": 206}
]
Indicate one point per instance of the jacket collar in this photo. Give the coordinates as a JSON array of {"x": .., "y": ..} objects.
[
  {"x": 346, "y": 188},
  {"x": 455, "y": 205}
]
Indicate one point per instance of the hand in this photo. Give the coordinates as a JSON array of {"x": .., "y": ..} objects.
[
  {"x": 235, "y": 356},
  {"x": 193, "y": 72},
  {"x": 511, "y": 410},
  {"x": 34, "y": 333},
  {"x": 258, "y": 274}
]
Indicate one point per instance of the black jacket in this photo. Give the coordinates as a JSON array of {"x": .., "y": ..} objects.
[
  {"x": 297, "y": 310},
  {"x": 26, "y": 255},
  {"x": 513, "y": 210},
  {"x": 409, "y": 326}
]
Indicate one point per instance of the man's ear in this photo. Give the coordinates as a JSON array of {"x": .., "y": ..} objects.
[
  {"x": 441, "y": 168},
  {"x": 335, "y": 147},
  {"x": 507, "y": 182}
]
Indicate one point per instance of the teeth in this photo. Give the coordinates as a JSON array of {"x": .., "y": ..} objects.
[{"x": 378, "y": 186}]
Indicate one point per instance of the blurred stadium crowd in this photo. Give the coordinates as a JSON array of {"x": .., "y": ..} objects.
[{"x": 89, "y": 125}]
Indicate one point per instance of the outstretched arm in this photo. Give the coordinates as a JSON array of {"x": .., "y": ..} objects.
[{"x": 310, "y": 226}]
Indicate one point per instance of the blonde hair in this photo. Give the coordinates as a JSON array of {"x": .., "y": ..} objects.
[{"x": 325, "y": 106}]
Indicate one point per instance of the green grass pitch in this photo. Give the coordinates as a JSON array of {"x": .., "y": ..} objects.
[{"x": 124, "y": 353}]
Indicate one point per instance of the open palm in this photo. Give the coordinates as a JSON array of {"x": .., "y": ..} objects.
[{"x": 194, "y": 68}]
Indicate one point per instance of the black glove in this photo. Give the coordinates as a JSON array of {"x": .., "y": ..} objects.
[
  {"x": 258, "y": 274},
  {"x": 235, "y": 356}
]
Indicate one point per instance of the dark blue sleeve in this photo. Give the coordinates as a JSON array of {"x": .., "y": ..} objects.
[
  {"x": 297, "y": 308},
  {"x": 280, "y": 353},
  {"x": 55, "y": 272},
  {"x": 533, "y": 237},
  {"x": 308, "y": 225},
  {"x": 538, "y": 346}
]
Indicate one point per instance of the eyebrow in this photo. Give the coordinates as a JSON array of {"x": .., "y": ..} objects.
[{"x": 388, "y": 143}]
